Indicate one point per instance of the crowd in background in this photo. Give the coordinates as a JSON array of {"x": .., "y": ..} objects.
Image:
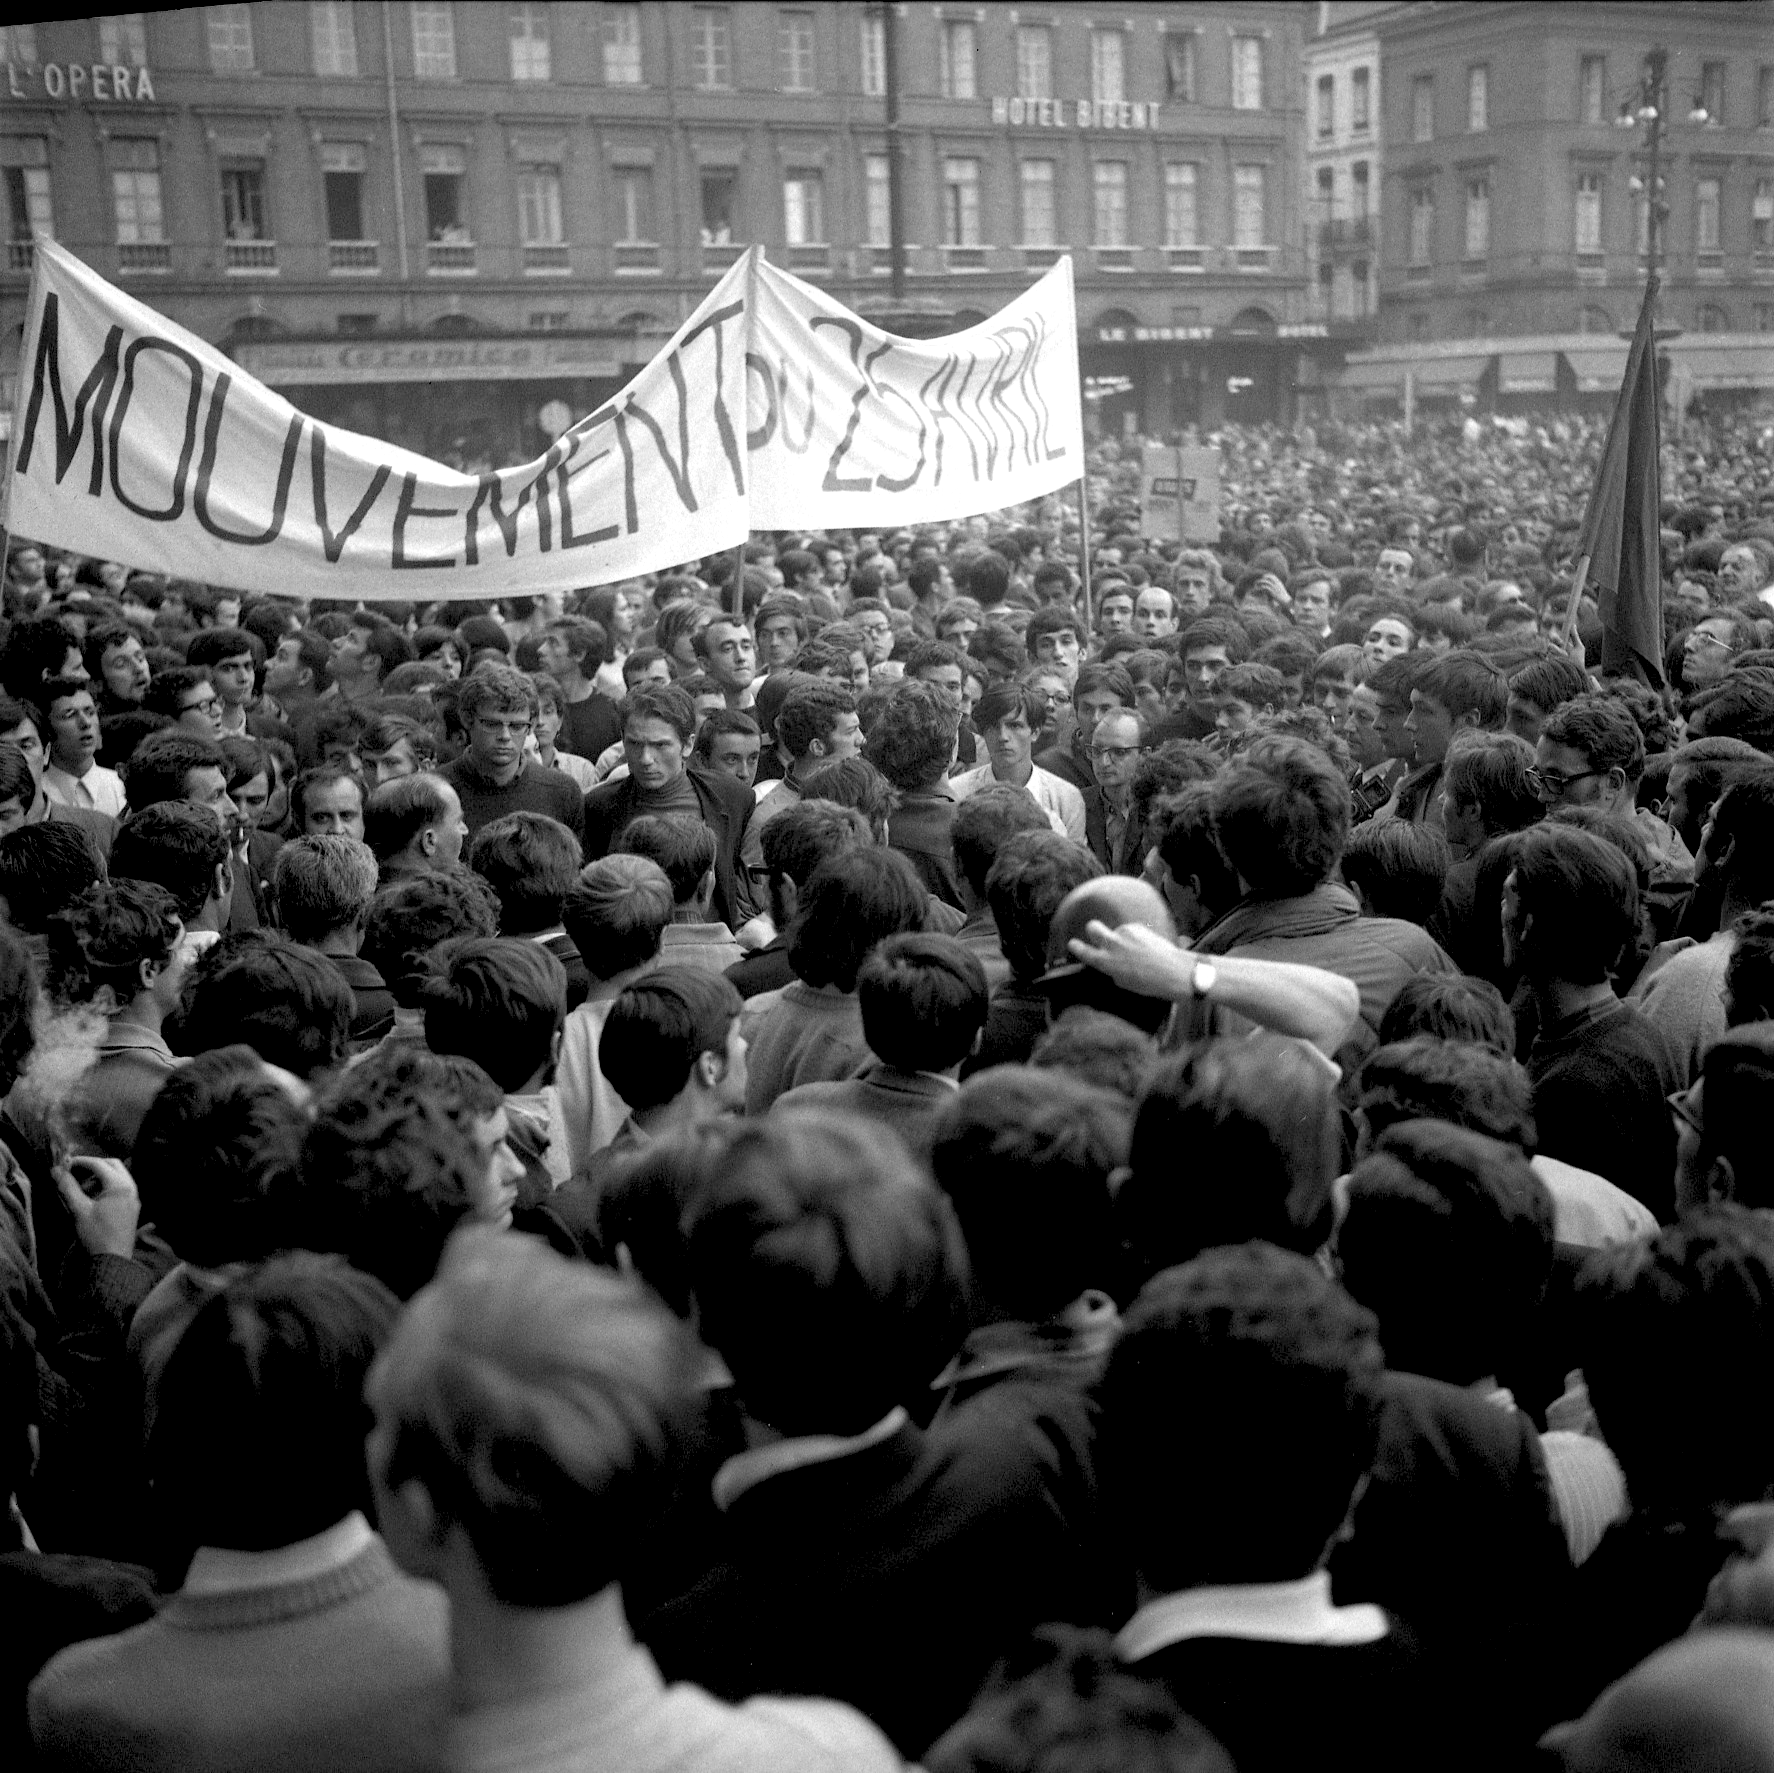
[{"x": 867, "y": 1153}]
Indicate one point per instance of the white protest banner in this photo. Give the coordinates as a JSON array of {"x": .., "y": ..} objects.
[
  {"x": 852, "y": 427},
  {"x": 772, "y": 407},
  {"x": 1179, "y": 493}
]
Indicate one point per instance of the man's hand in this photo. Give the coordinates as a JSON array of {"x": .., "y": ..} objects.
[
  {"x": 1137, "y": 959},
  {"x": 102, "y": 1200}
]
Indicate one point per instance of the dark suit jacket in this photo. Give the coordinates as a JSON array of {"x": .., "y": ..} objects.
[
  {"x": 921, "y": 828},
  {"x": 1096, "y": 834},
  {"x": 726, "y": 810}
]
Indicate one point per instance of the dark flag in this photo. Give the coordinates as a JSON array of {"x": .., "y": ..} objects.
[{"x": 1619, "y": 536}]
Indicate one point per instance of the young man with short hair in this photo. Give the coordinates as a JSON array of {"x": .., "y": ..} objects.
[
  {"x": 493, "y": 777},
  {"x": 685, "y": 849},
  {"x": 730, "y": 657},
  {"x": 1052, "y": 639},
  {"x": 913, "y": 744},
  {"x": 186, "y": 695},
  {"x": 71, "y": 777},
  {"x": 185, "y": 849},
  {"x": 1459, "y": 692},
  {"x": 730, "y": 744},
  {"x": 1243, "y": 695},
  {"x": 532, "y": 862},
  {"x": 1007, "y": 716},
  {"x": 323, "y": 887},
  {"x": 1208, "y": 648},
  {"x": 572, "y": 652}
]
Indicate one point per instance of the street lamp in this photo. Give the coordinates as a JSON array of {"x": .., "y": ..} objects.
[{"x": 1647, "y": 108}]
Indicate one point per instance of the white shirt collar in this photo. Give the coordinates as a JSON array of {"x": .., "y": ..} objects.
[
  {"x": 746, "y": 1470},
  {"x": 1300, "y": 1612},
  {"x": 215, "y": 1570}
]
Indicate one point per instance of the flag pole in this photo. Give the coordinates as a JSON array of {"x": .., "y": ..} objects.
[
  {"x": 1577, "y": 585},
  {"x": 1084, "y": 539},
  {"x": 739, "y": 582},
  {"x": 33, "y": 305}
]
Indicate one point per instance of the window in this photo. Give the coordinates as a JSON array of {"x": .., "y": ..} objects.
[
  {"x": 539, "y": 205},
  {"x": 1250, "y": 224},
  {"x": 794, "y": 40},
  {"x": 1712, "y": 91},
  {"x": 1478, "y": 218},
  {"x": 434, "y": 40},
  {"x": 960, "y": 202},
  {"x": 1034, "y": 61},
  {"x": 1327, "y": 107},
  {"x": 332, "y": 38},
  {"x": 1181, "y": 218},
  {"x": 622, "y": 46},
  {"x": 18, "y": 45},
  {"x": 1765, "y": 98},
  {"x": 342, "y": 167},
  {"x": 1422, "y": 227},
  {"x": 1360, "y": 100},
  {"x": 1706, "y": 215},
  {"x": 357, "y": 326},
  {"x": 803, "y": 206},
  {"x": 1419, "y": 324},
  {"x": 243, "y": 201},
  {"x": 444, "y": 168},
  {"x": 231, "y": 39},
  {"x": 1040, "y": 219},
  {"x": 1179, "y": 66},
  {"x": 135, "y": 190},
  {"x": 1108, "y": 66},
  {"x": 633, "y": 191},
  {"x": 28, "y": 209},
  {"x": 1713, "y": 318},
  {"x": 1423, "y": 108},
  {"x": 1358, "y": 190},
  {"x": 123, "y": 41},
  {"x": 720, "y": 202},
  {"x": 958, "y": 43},
  {"x": 1478, "y": 100},
  {"x": 1588, "y": 223},
  {"x": 873, "y": 29},
  {"x": 1592, "y": 89},
  {"x": 1111, "y": 203},
  {"x": 531, "y": 55},
  {"x": 546, "y": 319},
  {"x": 878, "y": 199},
  {"x": 1761, "y": 216},
  {"x": 1326, "y": 186},
  {"x": 1247, "y": 73},
  {"x": 711, "y": 49}
]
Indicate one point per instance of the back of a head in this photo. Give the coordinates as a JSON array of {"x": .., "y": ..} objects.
[
  {"x": 914, "y": 737},
  {"x": 175, "y": 845},
  {"x": 389, "y": 1168},
  {"x": 498, "y": 1001},
  {"x": 1427, "y": 1077},
  {"x": 1237, "y": 1416},
  {"x": 1398, "y": 868},
  {"x": 1030, "y": 879},
  {"x": 217, "y": 1138},
  {"x": 1578, "y": 902},
  {"x": 828, "y": 1272},
  {"x": 398, "y": 811},
  {"x": 923, "y": 1001},
  {"x": 409, "y": 919},
  {"x": 523, "y": 1390},
  {"x": 1488, "y": 773},
  {"x": 681, "y": 844},
  {"x": 1742, "y": 840},
  {"x": 1064, "y": 1703},
  {"x": 1234, "y": 1140},
  {"x": 289, "y": 1004},
  {"x": 258, "y": 1436},
  {"x": 1025, "y": 1157},
  {"x": 852, "y": 901},
  {"x": 659, "y": 1026},
  {"x": 42, "y": 868},
  {"x": 531, "y": 861},
  {"x": 1450, "y": 1006},
  {"x": 799, "y": 838},
  {"x": 984, "y": 822},
  {"x": 1737, "y": 1078},
  {"x": 1281, "y": 814},
  {"x": 322, "y": 885},
  {"x": 1115, "y": 900},
  {"x": 1672, "y": 1332},
  {"x": 1099, "y": 1049},
  {"x": 617, "y": 913},
  {"x": 1447, "y": 1238}
]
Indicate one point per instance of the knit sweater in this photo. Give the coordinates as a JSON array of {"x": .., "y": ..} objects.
[
  {"x": 342, "y": 1672},
  {"x": 802, "y": 1034}
]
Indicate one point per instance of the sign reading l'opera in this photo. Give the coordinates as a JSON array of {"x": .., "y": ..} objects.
[
  {"x": 81, "y": 80},
  {"x": 1061, "y": 113}
]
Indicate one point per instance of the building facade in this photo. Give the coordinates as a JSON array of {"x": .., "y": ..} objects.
[
  {"x": 447, "y": 223},
  {"x": 1343, "y": 164},
  {"x": 1513, "y": 219}
]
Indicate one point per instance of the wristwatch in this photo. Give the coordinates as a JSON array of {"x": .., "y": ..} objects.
[{"x": 1202, "y": 976}]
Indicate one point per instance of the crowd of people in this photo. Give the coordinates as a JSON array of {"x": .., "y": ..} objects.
[{"x": 872, "y": 1152}]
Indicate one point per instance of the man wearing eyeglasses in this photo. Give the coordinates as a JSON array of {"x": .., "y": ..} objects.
[
  {"x": 1112, "y": 826},
  {"x": 1591, "y": 753}
]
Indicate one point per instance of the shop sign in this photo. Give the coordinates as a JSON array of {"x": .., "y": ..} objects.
[
  {"x": 1062, "y": 113},
  {"x": 81, "y": 80}
]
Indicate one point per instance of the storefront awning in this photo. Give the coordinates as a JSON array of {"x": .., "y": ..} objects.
[
  {"x": 1600, "y": 370},
  {"x": 1449, "y": 375},
  {"x": 1373, "y": 378},
  {"x": 1527, "y": 372},
  {"x": 1727, "y": 366}
]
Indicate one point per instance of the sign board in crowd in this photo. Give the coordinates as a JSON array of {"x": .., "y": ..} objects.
[
  {"x": 1179, "y": 493},
  {"x": 772, "y": 407}
]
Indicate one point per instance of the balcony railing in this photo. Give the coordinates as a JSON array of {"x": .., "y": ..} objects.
[
  {"x": 450, "y": 258},
  {"x": 1114, "y": 258},
  {"x": 145, "y": 255},
  {"x": 1186, "y": 258},
  {"x": 1351, "y": 232},
  {"x": 810, "y": 256},
  {"x": 1254, "y": 258},
  {"x": 720, "y": 255},
  {"x": 549, "y": 258},
  {"x": 1041, "y": 258},
  {"x": 251, "y": 258},
  {"x": 353, "y": 258},
  {"x": 19, "y": 254},
  {"x": 635, "y": 258},
  {"x": 964, "y": 258},
  {"x": 876, "y": 260}
]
